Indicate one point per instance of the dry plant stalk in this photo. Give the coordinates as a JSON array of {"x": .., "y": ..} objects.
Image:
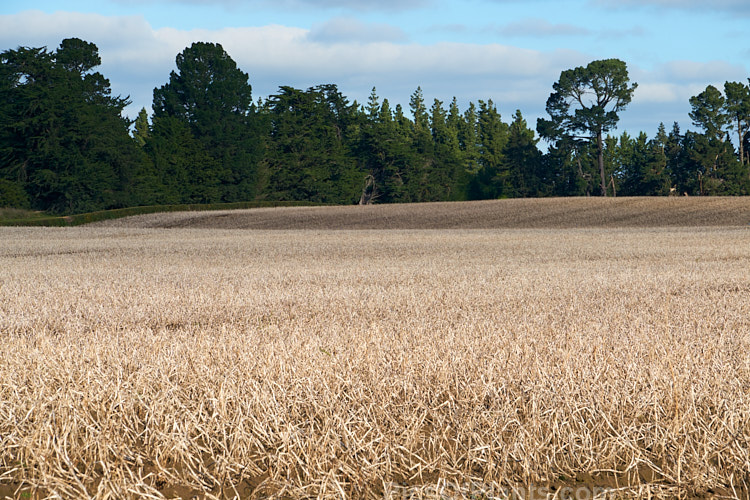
[{"x": 143, "y": 363}]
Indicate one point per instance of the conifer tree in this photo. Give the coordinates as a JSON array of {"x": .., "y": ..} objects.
[
  {"x": 141, "y": 130},
  {"x": 309, "y": 157},
  {"x": 585, "y": 105},
  {"x": 737, "y": 108},
  {"x": 213, "y": 97},
  {"x": 64, "y": 139},
  {"x": 523, "y": 160}
]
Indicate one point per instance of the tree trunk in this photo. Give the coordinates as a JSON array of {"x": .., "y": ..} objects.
[
  {"x": 742, "y": 147},
  {"x": 368, "y": 191},
  {"x": 600, "y": 150}
]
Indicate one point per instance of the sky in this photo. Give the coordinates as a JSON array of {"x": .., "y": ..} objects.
[{"x": 510, "y": 51}]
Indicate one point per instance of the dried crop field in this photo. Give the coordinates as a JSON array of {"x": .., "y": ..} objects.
[{"x": 151, "y": 363}]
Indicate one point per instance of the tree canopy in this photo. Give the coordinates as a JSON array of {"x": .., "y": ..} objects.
[
  {"x": 65, "y": 146},
  {"x": 585, "y": 105},
  {"x": 62, "y": 135}
]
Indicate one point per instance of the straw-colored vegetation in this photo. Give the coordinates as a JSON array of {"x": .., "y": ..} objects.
[{"x": 144, "y": 363}]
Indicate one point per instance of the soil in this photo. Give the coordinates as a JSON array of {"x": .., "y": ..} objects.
[{"x": 554, "y": 213}]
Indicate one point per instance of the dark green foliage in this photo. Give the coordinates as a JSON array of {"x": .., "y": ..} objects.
[
  {"x": 639, "y": 165},
  {"x": 141, "y": 130},
  {"x": 585, "y": 105},
  {"x": 468, "y": 140},
  {"x": 12, "y": 195},
  {"x": 445, "y": 176},
  {"x": 708, "y": 112},
  {"x": 65, "y": 147},
  {"x": 714, "y": 165},
  {"x": 711, "y": 159},
  {"x": 737, "y": 108},
  {"x": 185, "y": 170},
  {"x": 418, "y": 171},
  {"x": 309, "y": 156},
  {"x": 491, "y": 180},
  {"x": 523, "y": 161},
  {"x": 213, "y": 99},
  {"x": 383, "y": 151},
  {"x": 62, "y": 135},
  {"x": 567, "y": 171},
  {"x": 654, "y": 173}
]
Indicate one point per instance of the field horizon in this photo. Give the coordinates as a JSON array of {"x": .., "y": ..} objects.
[{"x": 518, "y": 213}]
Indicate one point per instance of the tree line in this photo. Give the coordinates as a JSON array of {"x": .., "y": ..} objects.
[{"x": 65, "y": 146}]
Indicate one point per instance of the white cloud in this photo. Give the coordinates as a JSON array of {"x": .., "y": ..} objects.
[
  {"x": 348, "y": 5},
  {"x": 539, "y": 28},
  {"x": 536, "y": 27},
  {"x": 658, "y": 92},
  {"x": 694, "y": 71},
  {"x": 136, "y": 58},
  {"x": 663, "y": 92},
  {"x": 735, "y": 7},
  {"x": 349, "y": 30},
  {"x": 677, "y": 81}
]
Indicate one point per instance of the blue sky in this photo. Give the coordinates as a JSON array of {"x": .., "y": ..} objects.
[{"x": 510, "y": 51}]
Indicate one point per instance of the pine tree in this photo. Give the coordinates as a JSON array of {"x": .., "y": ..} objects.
[
  {"x": 711, "y": 154},
  {"x": 447, "y": 159},
  {"x": 309, "y": 156},
  {"x": 184, "y": 168},
  {"x": 141, "y": 130},
  {"x": 597, "y": 93},
  {"x": 63, "y": 135},
  {"x": 468, "y": 138},
  {"x": 737, "y": 108},
  {"x": 212, "y": 96},
  {"x": 492, "y": 179},
  {"x": 522, "y": 160},
  {"x": 417, "y": 169}
]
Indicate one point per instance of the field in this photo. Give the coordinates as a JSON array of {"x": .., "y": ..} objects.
[
  {"x": 411, "y": 356},
  {"x": 548, "y": 213}
]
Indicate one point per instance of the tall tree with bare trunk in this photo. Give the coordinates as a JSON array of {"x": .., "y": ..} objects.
[{"x": 585, "y": 105}]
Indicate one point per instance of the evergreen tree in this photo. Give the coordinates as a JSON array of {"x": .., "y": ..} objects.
[
  {"x": 677, "y": 166},
  {"x": 373, "y": 106},
  {"x": 492, "y": 179},
  {"x": 12, "y": 195},
  {"x": 141, "y": 131},
  {"x": 309, "y": 156},
  {"x": 418, "y": 168},
  {"x": 596, "y": 93},
  {"x": 460, "y": 176},
  {"x": 708, "y": 112},
  {"x": 383, "y": 152},
  {"x": 568, "y": 171},
  {"x": 656, "y": 181},
  {"x": 447, "y": 159},
  {"x": 737, "y": 108},
  {"x": 711, "y": 154},
  {"x": 184, "y": 170},
  {"x": 213, "y": 98},
  {"x": 468, "y": 139},
  {"x": 62, "y": 132},
  {"x": 523, "y": 160},
  {"x": 715, "y": 167},
  {"x": 640, "y": 166}
]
